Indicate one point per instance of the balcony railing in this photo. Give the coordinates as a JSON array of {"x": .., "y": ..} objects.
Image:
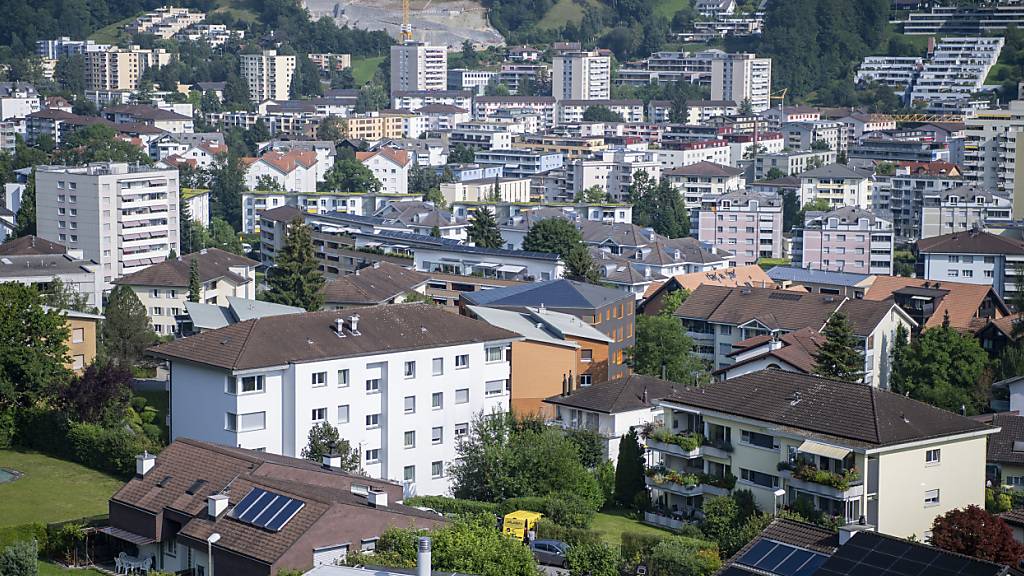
[
  {"x": 690, "y": 484},
  {"x": 835, "y": 485},
  {"x": 685, "y": 445}
]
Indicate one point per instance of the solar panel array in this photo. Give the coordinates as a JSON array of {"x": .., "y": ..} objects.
[
  {"x": 782, "y": 559},
  {"x": 266, "y": 509},
  {"x": 869, "y": 554}
]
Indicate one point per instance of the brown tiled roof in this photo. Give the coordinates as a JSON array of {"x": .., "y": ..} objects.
[
  {"x": 282, "y": 213},
  {"x": 213, "y": 263},
  {"x": 962, "y": 301},
  {"x": 751, "y": 275},
  {"x": 862, "y": 416},
  {"x": 865, "y": 315},
  {"x": 30, "y": 246},
  {"x": 1000, "y": 445},
  {"x": 936, "y": 168},
  {"x": 295, "y": 338},
  {"x": 290, "y": 160},
  {"x": 145, "y": 112},
  {"x": 633, "y": 392},
  {"x": 400, "y": 157},
  {"x": 373, "y": 285},
  {"x": 776, "y": 309},
  {"x": 971, "y": 242},
  {"x": 798, "y": 349}
]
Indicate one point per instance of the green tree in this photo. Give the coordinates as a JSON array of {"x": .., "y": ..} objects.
[
  {"x": 126, "y": 332},
  {"x": 461, "y": 154},
  {"x": 601, "y": 114},
  {"x": 59, "y": 295},
  {"x": 1010, "y": 362},
  {"x": 70, "y": 73},
  {"x": 592, "y": 559},
  {"x": 332, "y": 128},
  {"x": 658, "y": 205},
  {"x": 839, "y": 356},
  {"x": 100, "y": 143},
  {"x": 222, "y": 235},
  {"x": 663, "y": 350},
  {"x": 296, "y": 280},
  {"x": 194, "y": 284},
  {"x": 236, "y": 92},
  {"x": 25, "y": 220},
  {"x": 630, "y": 483},
  {"x": 350, "y": 175},
  {"x": 556, "y": 235},
  {"x": 683, "y": 556},
  {"x": 227, "y": 184},
  {"x": 483, "y": 230},
  {"x": 774, "y": 174},
  {"x": 20, "y": 559},
  {"x": 372, "y": 97},
  {"x": 580, "y": 265},
  {"x": 593, "y": 195},
  {"x": 267, "y": 183},
  {"x": 323, "y": 439},
  {"x": 434, "y": 195},
  {"x": 944, "y": 368},
  {"x": 791, "y": 213}
]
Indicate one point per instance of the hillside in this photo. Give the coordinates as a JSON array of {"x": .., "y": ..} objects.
[{"x": 447, "y": 22}]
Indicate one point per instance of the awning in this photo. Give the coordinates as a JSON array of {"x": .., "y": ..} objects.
[
  {"x": 511, "y": 268},
  {"x": 834, "y": 452},
  {"x": 485, "y": 265},
  {"x": 127, "y": 536}
]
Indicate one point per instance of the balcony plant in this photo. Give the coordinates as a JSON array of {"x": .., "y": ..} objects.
[
  {"x": 688, "y": 442},
  {"x": 810, "y": 473},
  {"x": 660, "y": 475}
]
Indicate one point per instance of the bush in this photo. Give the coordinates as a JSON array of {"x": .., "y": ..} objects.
[
  {"x": 23, "y": 532},
  {"x": 108, "y": 449},
  {"x": 548, "y": 530},
  {"x": 680, "y": 556},
  {"x": 63, "y": 540},
  {"x": 19, "y": 559},
  {"x": 531, "y": 503},
  {"x": 605, "y": 474},
  {"x": 638, "y": 547},
  {"x": 446, "y": 505},
  {"x": 596, "y": 559}
]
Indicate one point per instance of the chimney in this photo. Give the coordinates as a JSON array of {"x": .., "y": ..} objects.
[
  {"x": 353, "y": 324},
  {"x": 339, "y": 327},
  {"x": 846, "y": 532},
  {"x": 144, "y": 463},
  {"x": 377, "y": 498},
  {"x": 332, "y": 461},
  {"x": 216, "y": 504},
  {"x": 423, "y": 557}
]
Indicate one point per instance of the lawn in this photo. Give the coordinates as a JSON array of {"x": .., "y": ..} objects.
[
  {"x": 668, "y": 8},
  {"x": 47, "y": 569},
  {"x": 364, "y": 68},
  {"x": 563, "y": 12},
  {"x": 610, "y": 524},
  {"x": 51, "y": 490},
  {"x": 110, "y": 33},
  {"x": 236, "y": 9}
]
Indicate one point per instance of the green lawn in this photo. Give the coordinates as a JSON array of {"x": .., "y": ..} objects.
[
  {"x": 47, "y": 569},
  {"x": 563, "y": 12},
  {"x": 51, "y": 490},
  {"x": 364, "y": 68},
  {"x": 610, "y": 524},
  {"x": 668, "y": 8},
  {"x": 993, "y": 73},
  {"x": 237, "y": 9},
  {"x": 109, "y": 34}
]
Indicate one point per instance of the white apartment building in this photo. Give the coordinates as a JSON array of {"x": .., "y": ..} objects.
[
  {"x": 745, "y": 223},
  {"x": 417, "y": 66},
  {"x": 475, "y": 81},
  {"x": 896, "y": 71},
  {"x": 973, "y": 257},
  {"x": 791, "y": 163},
  {"x": 991, "y": 154},
  {"x": 903, "y": 195},
  {"x": 121, "y": 216},
  {"x": 839, "y": 184},
  {"x": 610, "y": 170},
  {"x": 740, "y": 77},
  {"x": 961, "y": 209},
  {"x": 704, "y": 179},
  {"x": 581, "y": 76},
  {"x": 847, "y": 450},
  {"x": 957, "y": 69},
  {"x": 293, "y": 171},
  {"x": 486, "y": 107},
  {"x": 165, "y": 22},
  {"x": 402, "y": 383},
  {"x": 483, "y": 190},
  {"x": 119, "y": 69},
  {"x": 268, "y": 74},
  {"x": 572, "y": 111},
  {"x": 65, "y": 46},
  {"x": 689, "y": 153},
  {"x": 17, "y": 100},
  {"x": 802, "y": 135},
  {"x": 390, "y": 167}
]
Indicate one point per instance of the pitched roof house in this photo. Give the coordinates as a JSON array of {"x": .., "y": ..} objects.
[{"x": 380, "y": 283}]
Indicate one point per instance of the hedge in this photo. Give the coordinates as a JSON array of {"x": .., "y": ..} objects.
[
  {"x": 639, "y": 546},
  {"x": 446, "y": 505},
  {"x": 548, "y": 530}
]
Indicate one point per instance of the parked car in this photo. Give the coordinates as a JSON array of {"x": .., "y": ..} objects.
[{"x": 553, "y": 552}]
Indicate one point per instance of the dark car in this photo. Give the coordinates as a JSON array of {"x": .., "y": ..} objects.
[{"x": 553, "y": 552}]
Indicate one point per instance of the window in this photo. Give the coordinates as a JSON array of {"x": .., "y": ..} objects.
[
  {"x": 586, "y": 355},
  {"x": 954, "y": 258},
  {"x": 78, "y": 362},
  {"x": 437, "y": 435},
  {"x": 368, "y": 545},
  {"x": 462, "y": 361},
  {"x": 759, "y": 440},
  {"x": 373, "y": 455},
  {"x": 585, "y": 379},
  {"x": 170, "y": 545},
  {"x": 410, "y": 369},
  {"x": 494, "y": 387},
  {"x": 437, "y": 400},
  {"x": 373, "y": 385},
  {"x": 246, "y": 385},
  {"x": 931, "y": 497},
  {"x": 1015, "y": 481},
  {"x": 437, "y": 469},
  {"x": 343, "y": 414},
  {"x": 372, "y": 420},
  {"x": 493, "y": 355},
  {"x": 438, "y": 366},
  {"x": 409, "y": 473},
  {"x": 462, "y": 396},
  {"x": 968, "y": 273},
  {"x": 725, "y": 330},
  {"x": 759, "y": 478},
  {"x": 410, "y": 404},
  {"x": 461, "y": 429},
  {"x": 318, "y": 379},
  {"x": 953, "y": 273},
  {"x": 410, "y": 439},
  {"x": 933, "y": 456},
  {"x": 245, "y": 422},
  {"x": 343, "y": 378},
  {"x": 78, "y": 335}
]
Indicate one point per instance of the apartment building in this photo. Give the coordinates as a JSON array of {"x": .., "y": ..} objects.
[
  {"x": 838, "y": 184},
  {"x": 791, "y": 163},
  {"x": 121, "y": 216},
  {"x": 742, "y": 77},
  {"x": 969, "y": 19},
  {"x": 293, "y": 171},
  {"x": 164, "y": 22},
  {"x": 329, "y": 62},
  {"x": 415, "y": 99},
  {"x": 957, "y": 70},
  {"x": 747, "y": 223},
  {"x": 991, "y": 154},
  {"x": 578, "y": 75},
  {"x": 486, "y": 107},
  {"x": 474, "y": 81},
  {"x": 803, "y": 135},
  {"x": 848, "y": 450},
  {"x": 961, "y": 209},
  {"x": 495, "y": 189},
  {"x": 163, "y": 288},
  {"x": 65, "y": 46},
  {"x": 674, "y": 155},
  {"x": 572, "y": 111},
  {"x": 899, "y": 72},
  {"x": 268, "y": 74},
  {"x": 519, "y": 163},
  {"x": 401, "y": 383},
  {"x": 903, "y": 196},
  {"x": 18, "y": 100},
  {"x": 848, "y": 239},
  {"x": 119, "y": 69},
  {"x": 418, "y": 66},
  {"x": 390, "y": 167},
  {"x": 216, "y": 35},
  {"x": 21, "y": 263},
  {"x": 704, "y": 179},
  {"x": 610, "y": 170},
  {"x": 973, "y": 257}
]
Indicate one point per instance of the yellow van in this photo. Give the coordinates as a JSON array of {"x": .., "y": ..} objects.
[{"x": 518, "y": 523}]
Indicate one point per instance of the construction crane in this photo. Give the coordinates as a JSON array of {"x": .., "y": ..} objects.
[{"x": 406, "y": 30}]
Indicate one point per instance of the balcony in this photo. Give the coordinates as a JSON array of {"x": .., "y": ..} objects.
[
  {"x": 682, "y": 445},
  {"x": 664, "y": 520},
  {"x": 716, "y": 448},
  {"x": 689, "y": 484},
  {"x": 808, "y": 478}
]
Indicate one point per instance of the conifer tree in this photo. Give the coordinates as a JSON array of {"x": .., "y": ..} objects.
[
  {"x": 484, "y": 230},
  {"x": 194, "y": 285},
  {"x": 295, "y": 280},
  {"x": 126, "y": 330},
  {"x": 629, "y": 473},
  {"x": 839, "y": 356}
]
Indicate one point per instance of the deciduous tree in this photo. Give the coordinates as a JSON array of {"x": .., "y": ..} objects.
[
  {"x": 324, "y": 439},
  {"x": 974, "y": 532},
  {"x": 126, "y": 332},
  {"x": 99, "y": 395},
  {"x": 580, "y": 265},
  {"x": 662, "y": 349},
  {"x": 658, "y": 205},
  {"x": 350, "y": 175},
  {"x": 556, "y": 235},
  {"x": 944, "y": 368}
]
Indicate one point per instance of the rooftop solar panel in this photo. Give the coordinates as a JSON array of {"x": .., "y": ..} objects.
[
  {"x": 781, "y": 559},
  {"x": 266, "y": 509},
  {"x": 871, "y": 554}
]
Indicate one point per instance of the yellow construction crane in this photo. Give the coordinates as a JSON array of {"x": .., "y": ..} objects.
[{"x": 406, "y": 31}]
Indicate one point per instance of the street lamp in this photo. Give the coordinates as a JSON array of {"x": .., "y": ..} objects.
[
  {"x": 210, "y": 541},
  {"x": 775, "y": 501}
]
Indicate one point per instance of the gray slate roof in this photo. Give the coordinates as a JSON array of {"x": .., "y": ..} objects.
[{"x": 557, "y": 294}]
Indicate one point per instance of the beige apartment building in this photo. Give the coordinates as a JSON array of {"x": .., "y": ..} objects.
[
  {"x": 991, "y": 154},
  {"x": 120, "y": 68},
  {"x": 268, "y": 74},
  {"x": 418, "y": 66},
  {"x": 847, "y": 450},
  {"x": 581, "y": 76},
  {"x": 739, "y": 77},
  {"x": 374, "y": 126}
]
